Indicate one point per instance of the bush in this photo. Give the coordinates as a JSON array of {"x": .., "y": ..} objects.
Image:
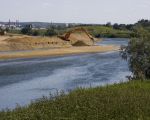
[{"x": 138, "y": 54}]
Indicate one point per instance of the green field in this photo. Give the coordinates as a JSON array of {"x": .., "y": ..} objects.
[
  {"x": 109, "y": 32},
  {"x": 125, "y": 101}
]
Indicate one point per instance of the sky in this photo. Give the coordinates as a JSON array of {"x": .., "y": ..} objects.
[{"x": 75, "y": 11}]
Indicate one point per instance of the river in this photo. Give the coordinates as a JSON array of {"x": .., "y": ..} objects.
[{"x": 24, "y": 80}]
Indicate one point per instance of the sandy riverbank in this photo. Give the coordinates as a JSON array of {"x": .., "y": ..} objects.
[{"x": 58, "y": 52}]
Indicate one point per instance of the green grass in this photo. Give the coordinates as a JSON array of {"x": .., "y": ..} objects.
[
  {"x": 103, "y": 31},
  {"x": 125, "y": 101}
]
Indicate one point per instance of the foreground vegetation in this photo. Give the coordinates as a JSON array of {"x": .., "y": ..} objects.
[
  {"x": 138, "y": 51},
  {"x": 125, "y": 101}
]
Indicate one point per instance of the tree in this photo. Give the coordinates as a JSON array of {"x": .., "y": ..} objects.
[
  {"x": 50, "y": 32},
  {"x": 144, "y": 23},
  {"x": 27, "y": 30},
  {"x": 116, "y": 26},
  {"x": 138, "y": 54},
  {"x": 129, "y": 27},
  {"x": 122, "y": 27},
  {"x": 108, "y": 24}
]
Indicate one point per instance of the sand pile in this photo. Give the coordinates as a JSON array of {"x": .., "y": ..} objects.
[
  {"x": 30, "y": 43},
  {"x": 80, "y": 36},
  {"x": 22, "y": 42}
]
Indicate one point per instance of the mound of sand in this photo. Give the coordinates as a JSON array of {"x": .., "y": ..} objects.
[
  {"x": 22, "y": 42},
  {"x": 30, "y": 43},
  {"x": 80, "y": 36}
]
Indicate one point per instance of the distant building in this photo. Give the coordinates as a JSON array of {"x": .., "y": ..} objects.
[{"x": 11, "y": 25}]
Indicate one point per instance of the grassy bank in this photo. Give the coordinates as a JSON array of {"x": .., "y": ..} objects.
[
  {"x": 109, "y": 32},
  {"x": 126, "y": 101}
]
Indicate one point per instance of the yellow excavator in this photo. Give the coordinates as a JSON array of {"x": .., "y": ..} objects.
[{"x": 67, "y": 35}]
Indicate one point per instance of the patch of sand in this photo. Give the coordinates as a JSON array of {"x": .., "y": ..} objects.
[
  {"x": 31, "y": 43},
  {"x": 58, "y": 51}
]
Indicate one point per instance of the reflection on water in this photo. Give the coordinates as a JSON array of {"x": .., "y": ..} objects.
[{"x": 24, "y": 80}]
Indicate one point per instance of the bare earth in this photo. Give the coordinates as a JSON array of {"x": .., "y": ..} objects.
[{"x": 58, "y": 51}]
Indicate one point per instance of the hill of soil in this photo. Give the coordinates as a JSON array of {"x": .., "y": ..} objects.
[
  {"x": 80, "y": 36},
  {"x": 22, "y": 42}
]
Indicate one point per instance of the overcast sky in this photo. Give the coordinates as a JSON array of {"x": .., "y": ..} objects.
[{"x": 75, "y": 11}]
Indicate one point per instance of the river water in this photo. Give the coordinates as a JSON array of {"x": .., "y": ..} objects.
[{"x": 24, "y": 80}]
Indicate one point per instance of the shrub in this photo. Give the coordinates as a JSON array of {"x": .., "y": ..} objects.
[{"x": 138, "y": 54}]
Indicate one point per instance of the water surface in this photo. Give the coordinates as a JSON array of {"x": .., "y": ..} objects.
[{"x": 23, "y": 80}]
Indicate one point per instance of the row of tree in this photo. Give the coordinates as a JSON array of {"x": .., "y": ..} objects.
[{"x": 144, "y": 23}]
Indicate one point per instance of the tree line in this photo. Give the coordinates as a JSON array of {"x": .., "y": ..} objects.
[{"x": 50, "y": 31}]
